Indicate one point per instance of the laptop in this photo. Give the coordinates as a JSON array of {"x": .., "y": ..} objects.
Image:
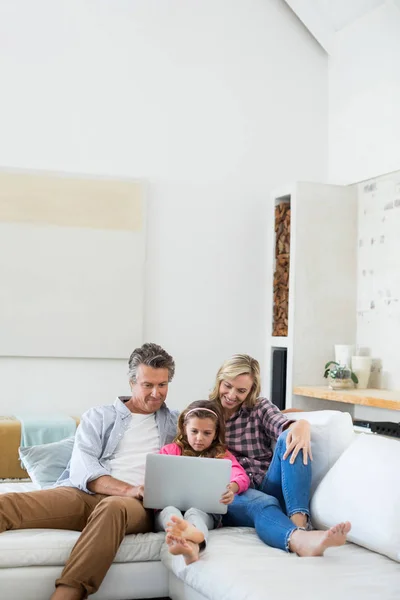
[{"x": 186, "y": 482}]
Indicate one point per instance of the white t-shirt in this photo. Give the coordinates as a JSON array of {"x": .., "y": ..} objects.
[{"x": 129, "y": 459}]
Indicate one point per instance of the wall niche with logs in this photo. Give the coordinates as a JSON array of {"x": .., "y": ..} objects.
[{"x": 282, "y": 266}]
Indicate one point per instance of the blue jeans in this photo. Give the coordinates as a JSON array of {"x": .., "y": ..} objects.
[{"x": 285, "y": 490}]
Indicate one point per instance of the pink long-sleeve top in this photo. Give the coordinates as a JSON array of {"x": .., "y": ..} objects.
[{"x": 238, "y": 474}]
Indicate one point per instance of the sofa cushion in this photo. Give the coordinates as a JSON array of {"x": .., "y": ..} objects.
[
  {"x": 35, "y": 547},
  {"x": 236, "y": 565},
  {"x": 331, "y": 433},
  {"x": 363, "y": 487},
  {"x": 39, "y": 547},
  {"x": 46, "y": 462}
]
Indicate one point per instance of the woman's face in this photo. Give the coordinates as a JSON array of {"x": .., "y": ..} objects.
[{"x": 233, "y": 392}]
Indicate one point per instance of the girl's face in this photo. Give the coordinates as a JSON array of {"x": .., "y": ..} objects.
[
  {"x": 233, "y": 392},
  {"x": 200, "y": 433}
]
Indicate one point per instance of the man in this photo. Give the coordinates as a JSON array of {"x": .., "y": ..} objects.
[{"x": 100, "y": 492}]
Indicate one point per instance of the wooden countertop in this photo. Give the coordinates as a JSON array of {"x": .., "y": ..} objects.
[{"x": 389, "y": 399}]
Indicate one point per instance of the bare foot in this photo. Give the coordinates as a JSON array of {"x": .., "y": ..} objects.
[
  {"x": 183, "y": 529},
  {"x": 179, "y": 546},
  {"x": 314, "y": 543}
]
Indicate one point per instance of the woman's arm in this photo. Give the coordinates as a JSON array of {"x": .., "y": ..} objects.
[{"x": 275, "y": 423}]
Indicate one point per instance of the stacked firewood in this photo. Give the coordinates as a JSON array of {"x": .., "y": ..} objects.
[{"x": 281, "y": 275}]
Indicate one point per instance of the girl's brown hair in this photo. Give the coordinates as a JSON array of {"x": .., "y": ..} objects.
[{"x": 200, "y": 409}]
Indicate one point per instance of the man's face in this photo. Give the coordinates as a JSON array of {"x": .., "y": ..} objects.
[{"x": 149, "y": 391}]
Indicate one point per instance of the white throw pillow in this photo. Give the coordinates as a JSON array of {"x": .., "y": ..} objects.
[
  {"x": 363, "y": 487},
  {"x": 331, "y": 433},
  {"x": 46, "y": 462}
]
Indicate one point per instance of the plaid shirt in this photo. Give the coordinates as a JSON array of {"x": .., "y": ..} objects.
[{"x": 249, "y": 436}]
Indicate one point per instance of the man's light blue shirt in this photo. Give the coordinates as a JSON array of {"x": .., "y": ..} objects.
[{"x": 97, "y": 437}]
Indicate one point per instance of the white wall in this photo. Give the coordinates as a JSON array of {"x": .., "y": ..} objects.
[
  {"x": 213, "y": 103},
  {"x": 364, "y": 97},
  {"x": 378, "y": 284},
  {"x": 364, "y": 141}
]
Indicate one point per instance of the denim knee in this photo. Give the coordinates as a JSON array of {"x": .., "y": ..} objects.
[
  {"x": 258, "y": 500},
  {"x": 281, "y": 441}
]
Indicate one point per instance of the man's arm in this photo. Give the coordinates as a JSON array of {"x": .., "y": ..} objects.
[
  {"x": 86, "y": 471},
  {"x": 114, "y": 487}
]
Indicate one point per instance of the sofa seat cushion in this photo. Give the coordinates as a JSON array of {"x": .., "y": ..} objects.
[
  {"x": 236, "y": 565},
  {"x": 52, "y": 547}
]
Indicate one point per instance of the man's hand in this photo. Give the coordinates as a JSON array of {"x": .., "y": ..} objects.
[
  {"x": 228, "y": 496},
  {"x": 136, "y": 491},
  {"x": 298, "y": 439}
]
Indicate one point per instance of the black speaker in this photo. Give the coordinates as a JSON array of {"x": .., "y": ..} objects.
[{"x": 278, "y": 383}]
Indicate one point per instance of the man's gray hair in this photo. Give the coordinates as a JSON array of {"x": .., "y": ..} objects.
[{"x": 153, "y": 356}]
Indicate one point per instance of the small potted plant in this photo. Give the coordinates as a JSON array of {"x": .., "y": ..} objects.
[{"x": 339, "y": 376}]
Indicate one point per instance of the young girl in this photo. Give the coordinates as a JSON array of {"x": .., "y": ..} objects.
[{"x": 201, "y": 432}]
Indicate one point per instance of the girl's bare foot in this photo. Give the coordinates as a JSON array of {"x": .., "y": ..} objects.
[
  {"x": 314, "y": 543},
  {"x": 183, "y": 529},
  {"x": 179, "y": 546}
]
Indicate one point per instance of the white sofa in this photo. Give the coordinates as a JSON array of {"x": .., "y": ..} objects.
[{"x": 235, "y": 566}]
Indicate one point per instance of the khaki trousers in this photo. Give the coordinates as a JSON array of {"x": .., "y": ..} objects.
[{"x": 103, "y": 521}]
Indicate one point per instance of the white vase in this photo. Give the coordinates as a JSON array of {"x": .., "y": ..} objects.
[
  {"x": 361, "y": 366},
  {"x": 343, "y": 354}
]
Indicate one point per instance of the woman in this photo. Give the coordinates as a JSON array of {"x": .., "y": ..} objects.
[{"x": 278, "y": 503}]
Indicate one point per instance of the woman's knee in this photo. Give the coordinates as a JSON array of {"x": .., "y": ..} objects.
[
  {"x": 281, "y": 441},
  {"x": 257, "y": 500}
]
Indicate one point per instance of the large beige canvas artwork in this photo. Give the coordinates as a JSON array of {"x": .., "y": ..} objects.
[{"x": 72, "y": 253}]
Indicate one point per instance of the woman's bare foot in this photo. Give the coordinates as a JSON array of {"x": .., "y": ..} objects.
[
  {"x": 179, "y": 546},
  {"x": 314, "y": 543},
  {"x": 183, "y": 529}
]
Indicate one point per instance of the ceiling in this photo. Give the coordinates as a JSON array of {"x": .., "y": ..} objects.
[
  {"x": 324, "y": 18},
  {"x": 340, "y": 13}
]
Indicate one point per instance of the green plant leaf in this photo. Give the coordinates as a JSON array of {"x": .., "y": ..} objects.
[
  {"x": 331, "y": 362},
  {"x": 354, "y": 377}
]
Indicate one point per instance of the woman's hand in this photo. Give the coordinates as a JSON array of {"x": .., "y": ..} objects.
[
  {"x": 228, "y": 496},
  {"x": 298, "y": 439}
]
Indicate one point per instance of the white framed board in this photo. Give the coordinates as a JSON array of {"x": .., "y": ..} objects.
[{"x": 72, "y": 256}]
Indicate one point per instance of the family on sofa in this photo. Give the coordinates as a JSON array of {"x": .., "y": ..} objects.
[{"x": 100, "y": 493}]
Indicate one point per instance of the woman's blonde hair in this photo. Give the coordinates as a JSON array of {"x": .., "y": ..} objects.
[
  {"x": 201, "y": 409},
  {"x": 239, "y": 364}
]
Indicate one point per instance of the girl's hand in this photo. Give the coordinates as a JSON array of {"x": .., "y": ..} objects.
[
  {"x": 228, "y": 496},
  {"x": 298, "y": 439}
]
